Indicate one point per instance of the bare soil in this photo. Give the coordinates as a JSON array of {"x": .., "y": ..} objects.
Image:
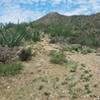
[{"x": 42, "y": 80}]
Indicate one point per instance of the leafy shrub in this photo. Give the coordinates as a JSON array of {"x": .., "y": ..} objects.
[
  {"x": 25, "y": 54},
  {"x": 58, "y": 58},
  {"x": 10, "y": 69}
]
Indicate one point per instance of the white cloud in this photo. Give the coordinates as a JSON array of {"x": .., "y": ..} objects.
[
  {"x": 12, "y": 11},
  {"x": 86, "y": 7},
  {"x": 78, "y": 11},
  {"x": 21, "y": 15}
]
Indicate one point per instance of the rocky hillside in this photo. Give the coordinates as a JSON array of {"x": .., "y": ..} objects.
[
  {"x": 51, "y": 75},
  {"x": 80, "y": 29},
  {"x": 80, "y": 22},
  {"x": 81, "y": 26}
]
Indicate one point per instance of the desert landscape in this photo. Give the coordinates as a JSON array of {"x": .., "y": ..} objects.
[{"x": 55, "y": 57}]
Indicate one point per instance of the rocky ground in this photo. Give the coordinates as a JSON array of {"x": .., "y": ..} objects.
[{"x": 42, "y": 80}]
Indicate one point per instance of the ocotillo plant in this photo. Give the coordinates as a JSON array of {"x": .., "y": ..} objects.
[{"x": 12, "y": 39}]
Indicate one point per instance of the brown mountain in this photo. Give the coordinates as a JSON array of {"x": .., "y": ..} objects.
[{"x": 86, "y": 26}]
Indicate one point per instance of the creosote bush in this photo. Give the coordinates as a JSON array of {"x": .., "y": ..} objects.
[
  {"x": 57, "y": 57},
  {"x": 79, "y": 48},
  {"x": 73, "y": 47},
  {"x": 10, "y": 69},
  {"x": 33, "y": 35},
  {"x": 72, "y": 66},
  {"x": 25, "y": 54},
  {"x": 86, "y": 50}
]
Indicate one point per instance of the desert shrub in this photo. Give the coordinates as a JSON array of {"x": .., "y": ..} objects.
[
  {"x": 59, "y": 32},
  {"x": 57, "y": 58},
  {"x": 90, "y": 40},
  {"x": 79, "y": 48},
  {"x": 86, "y": 50},
  {"x": 10, "y": 69},
  {"x": 52, "y": 40},
  {"x": 72, "y": 66},
  {"x": 25, "y": 54},
  {"x": 33, "y": 35},
  {"x": 60, "y": 58},
  {"x": 73, "y": 47},
  {"x": 36, "y": 36}
]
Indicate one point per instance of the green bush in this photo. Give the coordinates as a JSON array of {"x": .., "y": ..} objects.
[
  {"x": 25, "y": 54},
  {"x": 72, "y": 66},
  {"x": 86, "y": 50},
  {"x": 33, "y": 35},
  {"x": 10, "y": 69},
  {"x": 76, "y": 47},
  {"x": 73, "y": 47},
  {"x": 79, "y": 48},
  {"x": 90, "y": 40},
  {"x": 36, "y": 36},
  {"x": 57, "y": 58}
]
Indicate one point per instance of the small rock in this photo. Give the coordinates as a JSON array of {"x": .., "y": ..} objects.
[{"x": 8, "y": 87}]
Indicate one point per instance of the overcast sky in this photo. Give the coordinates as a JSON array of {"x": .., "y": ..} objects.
[{"x": 29, "y": 10}]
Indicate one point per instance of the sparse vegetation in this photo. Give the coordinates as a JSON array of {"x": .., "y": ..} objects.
[
  {"x": 58, "y": 57},
  {"x": 72, "y": 66},
  {"x": 66, "y": 73},
  {"x": 82, "y": 30},
  {"x": 12, "y": 36},
  {"x": 9, "y": 69},
  {"x": 86, "y": 50},
  {"x": 33, "y": 35},
  {"x": 79, "y": 48},
  {"x": 73, "y": 47},
  {"x": 87, "y": 88}
]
